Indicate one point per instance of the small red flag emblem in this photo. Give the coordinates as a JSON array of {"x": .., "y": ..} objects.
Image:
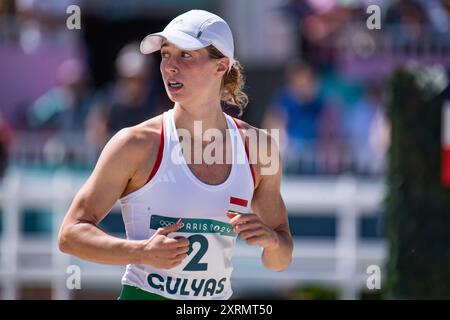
[{"x": 238, "y": 201}]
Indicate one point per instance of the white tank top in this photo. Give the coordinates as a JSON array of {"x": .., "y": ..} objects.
[{"x": 175, "y": 192}]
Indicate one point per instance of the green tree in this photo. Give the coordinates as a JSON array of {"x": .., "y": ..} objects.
[{"x": 417, "y": 204}]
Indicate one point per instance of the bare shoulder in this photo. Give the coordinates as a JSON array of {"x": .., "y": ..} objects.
[
  {"x": 130, "y": 154},
  {"x": 141, "y": 138},
  {"x": 263, "y": 149},
  {"x": 248, "y": 130}
]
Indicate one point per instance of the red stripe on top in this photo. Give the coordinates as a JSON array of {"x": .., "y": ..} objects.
[
  {"x": 238, "y": 201},
  {"x": 160, "y": 153},
  {"x": 247, "y": 153}
]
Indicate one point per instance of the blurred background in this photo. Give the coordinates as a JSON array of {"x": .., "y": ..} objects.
[{"x": 360, "y": 114}]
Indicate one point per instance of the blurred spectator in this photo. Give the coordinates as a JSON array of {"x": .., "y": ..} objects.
[
  {"x": 368, "y": 132},
  {"x": 409, "y": 20},
  {"x": 331, "y": 155},
  {"x": 42, "y": 23},
  {"x": 63, "y": 110},
  {"x": 7, "y": 10},
  {"x": 318, "y": 23},
  {"x": 439, "y": 15},
  {"x": 296, "y": 110},
  {"x": 66, "y": 106},
  {"x": 134, "y": 97}
]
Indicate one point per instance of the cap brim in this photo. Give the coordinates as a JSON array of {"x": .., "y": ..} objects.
[{"x": 184, "y": 41}]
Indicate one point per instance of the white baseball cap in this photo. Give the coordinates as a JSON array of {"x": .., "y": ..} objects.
[{"x": 194, "y": 30}]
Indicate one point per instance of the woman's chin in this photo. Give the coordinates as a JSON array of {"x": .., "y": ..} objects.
[{"x": 176, "y": 98}]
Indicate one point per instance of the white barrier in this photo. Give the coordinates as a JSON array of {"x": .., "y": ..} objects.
[{"x": 341, "y": 262}]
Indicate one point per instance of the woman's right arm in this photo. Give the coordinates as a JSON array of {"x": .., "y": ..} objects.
[{"x": 80, "y": 235}]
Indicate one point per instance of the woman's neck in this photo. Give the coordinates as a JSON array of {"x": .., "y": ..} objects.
[{"x": 209, "y": 115}]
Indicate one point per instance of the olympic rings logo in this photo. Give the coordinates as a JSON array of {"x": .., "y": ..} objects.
[{"x": 164, "y": 223}]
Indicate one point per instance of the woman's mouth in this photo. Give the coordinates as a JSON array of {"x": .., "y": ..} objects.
[{"x": 174, "y": 86}]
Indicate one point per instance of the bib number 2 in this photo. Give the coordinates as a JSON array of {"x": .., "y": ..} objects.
[{"x": 194, "y": 264}]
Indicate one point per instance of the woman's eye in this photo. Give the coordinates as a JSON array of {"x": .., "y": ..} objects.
[{"x": 185, "y": 55}]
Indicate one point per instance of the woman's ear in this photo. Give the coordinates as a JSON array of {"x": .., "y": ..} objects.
[{"x": 222, "y": 65}]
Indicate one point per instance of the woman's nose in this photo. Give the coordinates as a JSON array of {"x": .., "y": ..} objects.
[{"x": 171, "y": 66}]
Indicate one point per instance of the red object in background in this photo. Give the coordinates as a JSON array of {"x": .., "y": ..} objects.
[
  {"x": 6, "y": 133},
  {"x": 445, "y": 165},
  {"x": 5, "y": 140}
]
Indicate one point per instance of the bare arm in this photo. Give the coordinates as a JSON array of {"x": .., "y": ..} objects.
[
  {"x": 79, "y": 234},
  {"x": 269, "y": 206},
  {"x": 268, "y": 226}
]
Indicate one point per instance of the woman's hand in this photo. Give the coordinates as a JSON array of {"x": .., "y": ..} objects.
[
  {"x": 253, "y": 231},
  {"x": 163, "y": 252}
]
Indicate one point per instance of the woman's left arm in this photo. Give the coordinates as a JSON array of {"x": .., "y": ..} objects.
[{"x": 268, "y": 225}]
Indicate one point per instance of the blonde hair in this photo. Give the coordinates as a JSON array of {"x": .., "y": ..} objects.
[{"x": 232, "y": 83}]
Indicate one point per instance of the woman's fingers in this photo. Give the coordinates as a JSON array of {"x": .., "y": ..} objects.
[
  {"x": 251, "y": 233},
  {"x": 171, "y": 228},
  {"x": 257, "y": 240},
  {"x": 172, "y": 253},
  {"x": 181, "y": 256},
  {"x": 182, "y": 242},
  {"x": 247, "y": 226},
  {"x": 241, "y": 217}
]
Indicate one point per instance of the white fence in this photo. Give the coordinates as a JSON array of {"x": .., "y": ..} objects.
[{"x": 340, "y": 262}]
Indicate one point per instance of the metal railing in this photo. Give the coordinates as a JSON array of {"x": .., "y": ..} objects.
[
  {"x": 53, "y": 150},
  {"x": 340, "y": 263}
]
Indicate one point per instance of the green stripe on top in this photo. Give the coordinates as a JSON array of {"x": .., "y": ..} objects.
[{"x": 193, "y": 225}]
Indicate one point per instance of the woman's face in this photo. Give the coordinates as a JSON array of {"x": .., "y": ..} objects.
[{"x": 191, "y": 76}]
